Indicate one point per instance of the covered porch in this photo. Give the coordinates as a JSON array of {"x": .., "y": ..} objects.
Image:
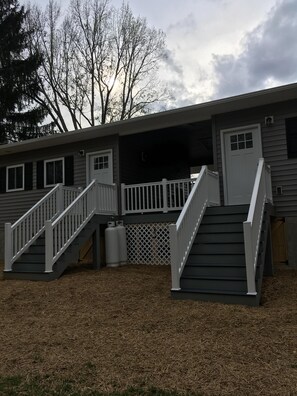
[{"x": 170, "y": 153}]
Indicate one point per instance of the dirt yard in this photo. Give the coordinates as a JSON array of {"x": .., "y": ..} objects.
[{"x": 115, "y": 328}]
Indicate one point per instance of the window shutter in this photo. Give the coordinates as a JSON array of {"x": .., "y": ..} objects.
[
  {"x": 69, "y": 171},
  {"x": 3, "y": 180},
  {"x": 40, "y": 174},
  {"x": 29, "y": 176}
]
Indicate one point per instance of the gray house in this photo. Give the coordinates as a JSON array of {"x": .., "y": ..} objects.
[{"x": 60, "y": 190}]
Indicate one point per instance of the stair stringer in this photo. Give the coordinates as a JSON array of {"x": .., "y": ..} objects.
[
  {"x": 71, "y": 254},
  {"x": 263, "y": 254}
]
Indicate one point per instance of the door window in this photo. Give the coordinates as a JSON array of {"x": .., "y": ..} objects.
[
  {"x": 101, "y": 162},
  {"x": 241, "y": 141}
]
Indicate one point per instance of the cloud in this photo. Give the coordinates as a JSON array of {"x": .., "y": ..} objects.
[
  {"x": 172, "y": 73},
  {"x": 171, "y": 63},
  {"x": 268, "y": 57}
]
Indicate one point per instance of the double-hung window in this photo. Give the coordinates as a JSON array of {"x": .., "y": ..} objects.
[
  {"x": 15, "y": 178},
  {"x": 53, "y": 172}
]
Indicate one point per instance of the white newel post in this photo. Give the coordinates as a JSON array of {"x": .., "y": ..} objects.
[
  {"x": 174, "y": 257},
  {"x": 8, "y": 247},
  {"x": 116, "y": 198},
  {"x": 60, "y": 199},
  {"x": 48, "y": 246},
  {"x": 96, "y": 197},
  {"x": 164, "y": 190},
  {"x": 250, "y": 269},
  {"x": 123, "y": 199},
  {"x": 269, "y": 197}
]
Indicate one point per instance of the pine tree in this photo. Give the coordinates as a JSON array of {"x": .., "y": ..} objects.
[{"x": 19, "y": 117}]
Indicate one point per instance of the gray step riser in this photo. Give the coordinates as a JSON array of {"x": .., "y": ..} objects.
[
  {"x": 221, "y": 298},
  {"x": 36, "y": 249},
  {"x": 31, "y": 258},
  {"x": 39, "y": 241},
  {"x": 193, "y": 262},
  {"x": 28, "y": 267},
  {"x": 222, "y": 228},
  {"x": 214, "y": 271},
  {"x": 220, "y": 238},
  {"x": 214, "y": 284},
  {"x": 214, "y": 248},
  {"x": 238, "y": 259},
  {"x": 226, "y": 219},
  {"x": 217, "y": 210}
]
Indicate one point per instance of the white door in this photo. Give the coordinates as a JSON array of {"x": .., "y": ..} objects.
[
  {"x": 100, "y": 167},
  {"x": 242, "y": 150}
]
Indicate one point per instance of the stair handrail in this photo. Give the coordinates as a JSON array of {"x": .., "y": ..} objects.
[
  {"x": 262, "y": 194},
  {"x": 61, "y": 232},
  {"x": 20, "y": 235},
  {"x": 206, "y": 192}
]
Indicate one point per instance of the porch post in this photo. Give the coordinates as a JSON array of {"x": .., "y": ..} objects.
[
  {"x": 123, "y": 199},
  {"x": 8, "y": 247},
  {"x": 96, "y": 248},
  {"x": 174, "y": 259},
  {"x": 48, "y": 246},
  {"x": 165, "y": 203},
  {"x": 250, "y": 269}
]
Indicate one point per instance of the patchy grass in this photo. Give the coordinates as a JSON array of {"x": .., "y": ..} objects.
[
  {"x": 14, "y": 386},
  {"x": 117, "y": 331}
]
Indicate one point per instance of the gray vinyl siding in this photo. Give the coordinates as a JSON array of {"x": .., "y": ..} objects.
[
  {"x": 274, "y": 147},
  {"x": 15, "y": 204}
]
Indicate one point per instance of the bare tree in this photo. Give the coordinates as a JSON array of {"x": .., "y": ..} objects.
[{"x": 99, "y": 65}]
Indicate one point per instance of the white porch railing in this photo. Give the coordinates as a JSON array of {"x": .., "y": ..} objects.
[
  {"x": 262, "y": 193},
  {"x": 163, "y": 196},
  {"x": 206, "y": 192},
  {"x": 96, "y": 198},
  {"x": 20, "y": 235}
]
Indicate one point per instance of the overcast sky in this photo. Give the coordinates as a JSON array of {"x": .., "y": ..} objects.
[{"x": 219, "y": 48}]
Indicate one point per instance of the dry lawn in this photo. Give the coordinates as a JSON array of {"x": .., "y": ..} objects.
[{"x": 115, "y": 328}]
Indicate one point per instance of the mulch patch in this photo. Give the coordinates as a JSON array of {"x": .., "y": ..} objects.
[{"x": 116, "y": 328}]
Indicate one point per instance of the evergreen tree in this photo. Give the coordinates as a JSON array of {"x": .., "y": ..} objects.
[{"x": 19, "y": 117}]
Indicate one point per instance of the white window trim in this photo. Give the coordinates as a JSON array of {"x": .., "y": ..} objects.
[
  {"x": 23, "y": 177},
  {"x": 63, "y": 171}
]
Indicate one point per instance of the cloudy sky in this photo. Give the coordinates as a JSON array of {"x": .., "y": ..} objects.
[{"x": 219, "y": 48}]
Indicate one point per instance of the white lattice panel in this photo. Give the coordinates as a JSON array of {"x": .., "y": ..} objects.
[{"x": 148, "y": 243}]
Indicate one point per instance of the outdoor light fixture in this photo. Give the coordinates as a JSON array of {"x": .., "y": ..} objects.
[{"x": 269, "y": 120}]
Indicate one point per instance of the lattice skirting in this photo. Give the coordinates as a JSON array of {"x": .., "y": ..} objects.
[{"x": 148, "y": 243}]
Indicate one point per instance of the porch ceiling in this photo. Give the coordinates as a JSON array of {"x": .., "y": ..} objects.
[{"x": 189, "y": 142}]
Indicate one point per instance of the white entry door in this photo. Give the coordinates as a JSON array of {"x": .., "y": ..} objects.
[
  {"x": 100, "y": 167},
  {"x": 242, "y": 149}
]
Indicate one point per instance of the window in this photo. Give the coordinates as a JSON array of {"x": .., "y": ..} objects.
[
  {"x": 241, "y": 141},
  {"x": 15, "y": 178},
  {"x": 53, "y": 172},
  {"x": 291, "y": 131},
  {"x": 101, "y": 162}
]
